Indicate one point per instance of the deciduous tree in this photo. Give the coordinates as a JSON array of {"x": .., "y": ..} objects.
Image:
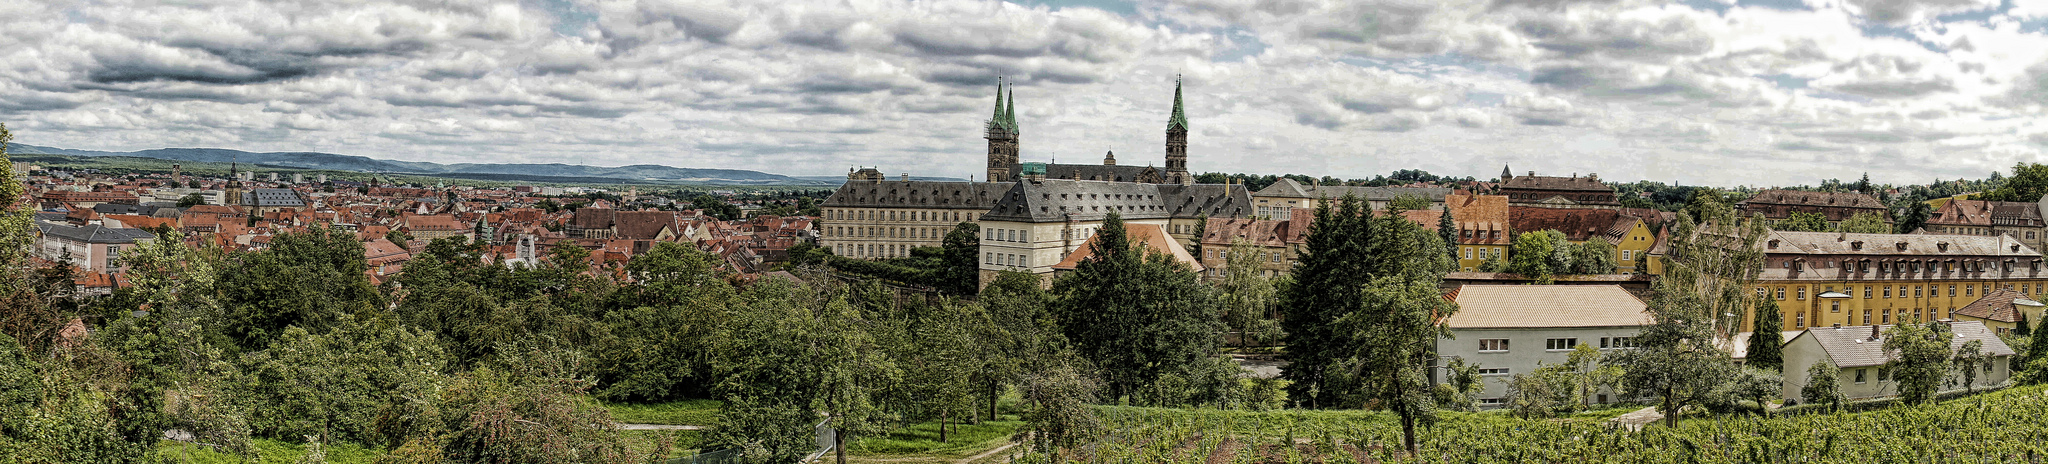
[{"x": 1920, "y": 359}]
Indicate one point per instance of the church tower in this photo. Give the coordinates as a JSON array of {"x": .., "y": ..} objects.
[
  {"x": 1177, "y": 142},
  {"x": 234, "y": 188},
  {"x": 1002, "y": 139}
]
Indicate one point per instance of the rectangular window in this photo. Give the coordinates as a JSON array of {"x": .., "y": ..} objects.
[
  {"x": 1760, "y": 293},
  {"x": 1468, "y": 252},
  {"x": 1560, "y": 344},
  {"x": 1951, "y": 290},
  {"x": 1493, "y": 345},
  {"x": 1834, "y": 306},
  {"x": 1624, "y": 255},
  {"x": 1859, "y": 375},
  {"x": 1493, "y": 401},
  {"x": 1866, "y": 317},
  {"x": 1916, "y": 291},
  {"x": 1887, "y": 291},
  {"x": 1802, "y": 293},
  {"x": 1866, "y": 291},
  {"x": 1493, "y": 371},
  {"x": 1781, "y": 293},
  {"x": 1887, "y": 317},
  {"x": 1799, "y": 321},
  {"x": 1969, "y": 290}
]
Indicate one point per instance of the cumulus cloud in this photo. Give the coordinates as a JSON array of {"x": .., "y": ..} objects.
[{"x": 1345, "y": 88}]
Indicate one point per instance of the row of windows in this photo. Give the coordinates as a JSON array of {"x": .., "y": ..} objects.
[
  {"x": 1006, "y": 235},
  {"x": 1500, "y": 345},
  {"x": 1885, "y": 291},
  {"x": 876, "y": 250},
  {"x": 1885, "y": 375},
  {"x": 1224, "y": 255},
  {"x": 928, "y": 233},
  {"x": 891, "y": 215},
  {"x": 1006, "y": 259},
  {"x": 1909, "y": 266},
  {"x": 1978, "y": 231}
]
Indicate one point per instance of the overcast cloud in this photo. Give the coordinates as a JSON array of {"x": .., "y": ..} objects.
[{"x": 1703, "y": 91}]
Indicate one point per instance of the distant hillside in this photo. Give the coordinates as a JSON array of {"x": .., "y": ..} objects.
[
  {"x": 639, "y": 173},
  {"x": 836, "y": 180}
]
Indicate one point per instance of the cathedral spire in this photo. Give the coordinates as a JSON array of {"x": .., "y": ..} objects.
[
  {"x": 1010, "y": 113},
  {"x": 1180, "y": 118},
  {"x": 997, "y": 120}
]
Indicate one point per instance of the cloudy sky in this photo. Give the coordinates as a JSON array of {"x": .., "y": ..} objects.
[{"x": 1700, "y": 91}]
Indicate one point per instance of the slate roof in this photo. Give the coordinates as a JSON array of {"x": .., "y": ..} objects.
[
  {"x": 1996, "y": 306},
  {"x": 95, "y": 233},
  {"x": 1289, "y": 188},
  {"x": 1056, "y": 200},
  {"x": 978, "y": 196},
  {"x": 269, "y": 198},
  {"x": 1117, "y": 173},
  {"x": 1878, "y": 245},
  {"x": 1853, "y": 346},
  {"x": 1546, "y": 306},
  {"x": 1827, "y": 199}
]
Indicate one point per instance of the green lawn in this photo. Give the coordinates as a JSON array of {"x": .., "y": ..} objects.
[
  {"x": 685, "y": 444},
  {"x": 686, "y": 412},
  {"x": 267, "y": 451}
]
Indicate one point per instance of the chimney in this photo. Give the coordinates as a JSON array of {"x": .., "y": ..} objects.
[{"x": 1874, "y": 333}]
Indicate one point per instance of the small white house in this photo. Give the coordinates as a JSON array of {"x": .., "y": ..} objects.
[
  {"x": 1509, "y": 329},
  {"x": 1859, "y": 352}
]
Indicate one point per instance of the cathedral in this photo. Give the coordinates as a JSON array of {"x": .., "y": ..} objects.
[{"x": 1003, "y": 165}]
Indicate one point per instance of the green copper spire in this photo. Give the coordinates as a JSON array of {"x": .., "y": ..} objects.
[
  {"x": 1010, "y": 113},
  {"x": 1180, "y": 118},
  {"x": 997, "y": 120}
]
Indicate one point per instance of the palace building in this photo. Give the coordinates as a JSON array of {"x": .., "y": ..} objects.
[
  {"x": 1824, "y": 279},
  {"x": 873, "y": 217}
]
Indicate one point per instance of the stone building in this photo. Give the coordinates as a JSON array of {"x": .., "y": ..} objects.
[
  {"x": 1004, "y": 139},
  {"x": 2021, "y": 220},
  {"x": 1777, "y": 205},
  {"x": 1822, "y": 279},
  {"x": 1035, "y": 224},
  {"x": 1557, "y": 192},
  {"x": 874, "y": 218},
  {"x": 1278, "y": 201}
]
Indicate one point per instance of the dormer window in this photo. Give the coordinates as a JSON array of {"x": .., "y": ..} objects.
[
  {"x": 1774, "y": 244},
  {"x": 1901, "y": 246},
  {"x": 1856, "y": 245},
  {"x": 1943, "y": 246}
]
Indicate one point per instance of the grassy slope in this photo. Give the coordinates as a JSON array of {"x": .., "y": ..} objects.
[{"x": 686, "y": 412}]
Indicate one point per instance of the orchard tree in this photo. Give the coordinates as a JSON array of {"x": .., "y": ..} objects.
[
  {"x": 1247, "y": 295},
  {"x": 1919, "y": 359},
  {"x": 1823, "y": 385},
  {"x": 1699, "y": 299}
]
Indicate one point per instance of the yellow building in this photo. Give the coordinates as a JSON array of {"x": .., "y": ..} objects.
[
  {"x": 1820, "y": 279},
  {"x": 1634, "y": 236}
]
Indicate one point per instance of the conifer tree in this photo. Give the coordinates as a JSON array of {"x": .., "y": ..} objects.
[{"x": 1765, "y": 343}]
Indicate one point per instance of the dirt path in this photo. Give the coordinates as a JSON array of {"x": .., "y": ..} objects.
[
  {"x": 988, "y": 453},
  {"x": 659, "y": 427},
  {"x": 1634, "y": 421}
]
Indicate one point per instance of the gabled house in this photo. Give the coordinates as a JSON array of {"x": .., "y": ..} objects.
[
  {"x": 1858, "y": 351},
  {"x": 1513, "y": 329}
]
